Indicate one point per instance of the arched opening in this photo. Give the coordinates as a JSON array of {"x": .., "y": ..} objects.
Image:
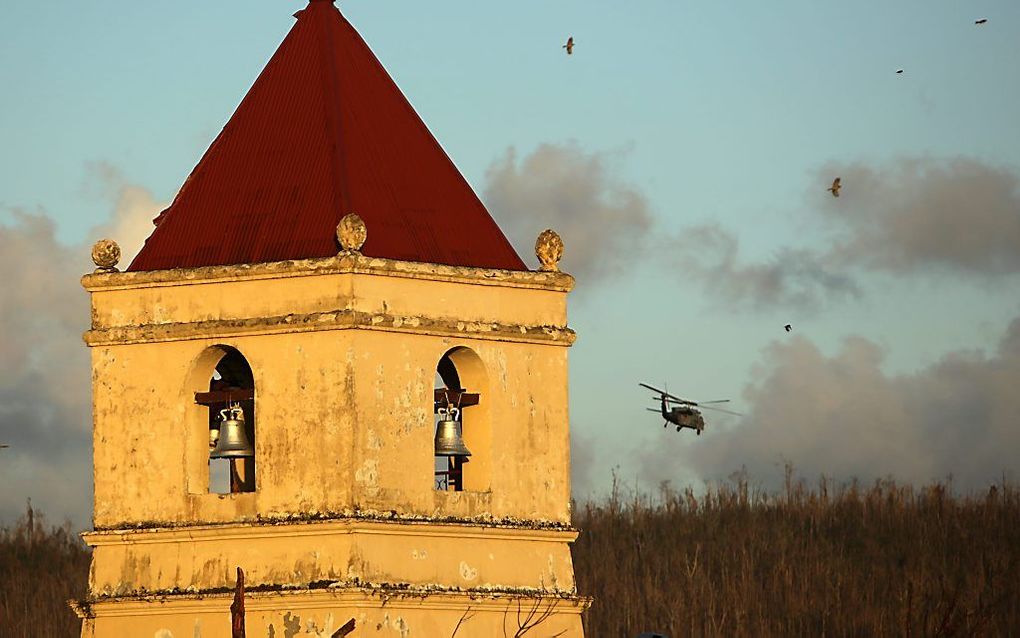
[
  {"x": 462, "y": 435},
  {"x": 228, "y": 395}
]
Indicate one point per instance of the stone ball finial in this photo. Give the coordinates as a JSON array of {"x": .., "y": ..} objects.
[
  {"x": 351, "y": 233},
  {"x": 106, "y": 255},
  {"x": 549, "y": 250}
]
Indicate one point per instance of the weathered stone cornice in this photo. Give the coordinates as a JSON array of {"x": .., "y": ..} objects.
[
  {"x": 335, "y": 593},
  {"x": 407, "y": 527},
  {"x": 349, "y": 516},
  {"x": 341, "y": 264},
  {"x": 332, "y": 320}
]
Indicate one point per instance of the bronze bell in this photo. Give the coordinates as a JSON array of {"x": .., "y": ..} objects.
[
  {"x": 233, "y": 441},
  {"x": 448, "y": 438}
]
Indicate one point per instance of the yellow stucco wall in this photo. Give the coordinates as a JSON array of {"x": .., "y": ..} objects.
[
  {"x": 320, "y": 613},
  {"x": 420, "y": 554},
  {"x": 344, "y": 354}
]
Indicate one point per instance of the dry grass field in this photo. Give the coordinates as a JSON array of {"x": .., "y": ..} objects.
[
  {"x": 41, "y": 568},
  {"x": 886, "y": 560}
]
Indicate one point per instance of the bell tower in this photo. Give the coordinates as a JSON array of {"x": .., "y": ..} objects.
[{"x": 328, "y": 367}]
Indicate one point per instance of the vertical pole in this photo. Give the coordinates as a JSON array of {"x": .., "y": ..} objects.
[
  {"x": 235, "y": 478},
  {"x": 247, "y": 465},
  {"x": 247, "y": 471},
  {"x": 237, "y": 608},
  {"x": 343, "y": 631},
  {"x": 457, "y": 469},
  {"x": 31, "y": 526}
]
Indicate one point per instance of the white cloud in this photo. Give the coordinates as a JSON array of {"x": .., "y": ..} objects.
[
  {"x": 912, "y": 217},
  {"x": 44, "y": 378},
  {"x": 134, "y": 208},
  {"x": 843, "y": 417},
  {"x": 915, "y": 215},
  {"x": 603, "y": 221},
  {"x": 45, "y": 398},
  {"x": 797, "y": 278}
]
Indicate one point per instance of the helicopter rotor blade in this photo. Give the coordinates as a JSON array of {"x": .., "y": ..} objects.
[
  {"x": 675, "y": 400},
  {"x": 706, "y": 404},
  {"x": 679, "y": 401},
  {"x": 709, "y": 407},
  {"x": 662, "y": 393}
]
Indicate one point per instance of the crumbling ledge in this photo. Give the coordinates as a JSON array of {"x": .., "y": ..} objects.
[
  {"x": 339, "y": 319},
  {"x": 506, "y": 522},
  {"x": 341, "y": 264},
  {"x": 387, "y": 594}
]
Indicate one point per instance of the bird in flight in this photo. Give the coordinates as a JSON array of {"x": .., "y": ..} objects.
[
  {"x": 898, "y": 71},
  {"x": 569, "y": 46},
  {"x": 788, "y": 328},
  {"x": 981, "y": 21},
  {"x": 836, "y": 185}
]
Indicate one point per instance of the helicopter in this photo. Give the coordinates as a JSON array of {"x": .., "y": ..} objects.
[{"x": 683, "y": 414}]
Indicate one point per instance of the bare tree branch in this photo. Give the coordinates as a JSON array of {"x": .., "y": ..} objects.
[
  {"x": 466, "y": 616},
  {"x": 534, "y": 618}
]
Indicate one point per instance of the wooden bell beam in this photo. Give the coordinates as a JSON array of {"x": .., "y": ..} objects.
[
  {"x": 217, "y": 397},
  {"x": 455, "y": 397}
]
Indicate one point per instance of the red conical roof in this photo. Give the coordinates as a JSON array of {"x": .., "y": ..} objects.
[{"x": 324, "y": 132}]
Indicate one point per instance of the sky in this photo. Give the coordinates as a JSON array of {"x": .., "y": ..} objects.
[{"x": 683, "y": 152}]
